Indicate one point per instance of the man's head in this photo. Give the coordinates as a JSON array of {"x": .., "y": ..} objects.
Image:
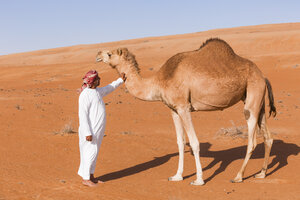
[{"x": 90, "y": 80}]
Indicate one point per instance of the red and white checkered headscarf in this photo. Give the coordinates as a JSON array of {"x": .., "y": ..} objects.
[{"x": 88, "y": 79}]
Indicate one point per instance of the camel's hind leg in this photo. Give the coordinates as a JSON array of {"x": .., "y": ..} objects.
[
  {"x": 180, "y": 142},
  {"x": 252, "y": 123},
  {"x": 252, "y": 109},
  {"x": 186, "y": 118},
  {"x": 267, "y": 140}
]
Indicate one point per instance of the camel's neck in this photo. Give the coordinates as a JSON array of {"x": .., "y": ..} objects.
[{"x": 143, "y": 88}]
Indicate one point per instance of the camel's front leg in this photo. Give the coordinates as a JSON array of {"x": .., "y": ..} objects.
[
  {"x": 180, "y": 142},
  {"x": 186, "y": 118}
]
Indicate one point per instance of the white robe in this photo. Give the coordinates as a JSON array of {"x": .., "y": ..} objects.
[{"x": 92, "y": 120}]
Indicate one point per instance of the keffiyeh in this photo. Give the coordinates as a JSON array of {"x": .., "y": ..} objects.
[{"x": 88, "y": 79}]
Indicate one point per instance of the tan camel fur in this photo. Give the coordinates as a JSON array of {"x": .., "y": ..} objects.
[{"x": 210, "y": 78}]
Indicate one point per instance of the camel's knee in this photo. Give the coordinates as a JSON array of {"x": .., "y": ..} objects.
[
  {"x": 195, "y": 146},
  {"x": 251, "y": 148},
  {"x": 269, "y": 142},
  {"x": 180, "y": 144}
]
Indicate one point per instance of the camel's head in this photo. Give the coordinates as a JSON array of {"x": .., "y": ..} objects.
[{"x": 113, "y": 58}]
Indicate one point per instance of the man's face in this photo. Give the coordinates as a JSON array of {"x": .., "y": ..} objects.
[{"x": 96, "y": 82}]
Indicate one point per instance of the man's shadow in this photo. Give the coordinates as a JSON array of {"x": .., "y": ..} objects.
[
  {"x": 157, "y": 161},
  {"x": 280, "y": 150}
]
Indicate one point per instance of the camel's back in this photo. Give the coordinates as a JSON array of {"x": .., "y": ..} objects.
[{"x": 214, "y": 58}]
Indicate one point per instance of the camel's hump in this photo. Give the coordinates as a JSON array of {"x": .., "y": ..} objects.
[
  {"x": 213, "y": 48},
  {"x": 216, "y": 43}
]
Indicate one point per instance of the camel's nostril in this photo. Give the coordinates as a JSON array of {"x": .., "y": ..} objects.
[{"x": 98, "y": 59}]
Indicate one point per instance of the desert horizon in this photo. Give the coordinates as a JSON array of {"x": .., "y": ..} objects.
[{"x": 39, "y": 124}]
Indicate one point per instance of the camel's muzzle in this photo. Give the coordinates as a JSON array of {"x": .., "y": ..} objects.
[{"x": 98, "y": 59}]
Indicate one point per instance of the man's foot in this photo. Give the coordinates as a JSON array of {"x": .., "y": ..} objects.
[
  {"x": 95, "y": 180},
  {"x": 89, "y": 183}
]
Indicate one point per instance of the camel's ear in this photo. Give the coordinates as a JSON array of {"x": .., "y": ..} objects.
[
  {"x": 122, "y": 51},
  {"x": 125, "y": 50},
  {"x": 119, "y": 51}
]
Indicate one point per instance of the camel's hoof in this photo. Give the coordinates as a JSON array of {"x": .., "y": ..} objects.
[
  {"x": 175, "y": 178},
  {"x": 198, "y": 182},
  {"x": 236, "y": 181},
  {"x": 260, "y": 175}
]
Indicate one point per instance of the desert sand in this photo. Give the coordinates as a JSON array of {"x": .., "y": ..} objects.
[{"x": 38, "y": 102}]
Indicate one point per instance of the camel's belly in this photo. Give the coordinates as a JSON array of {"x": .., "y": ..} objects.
[
  {"x": 210, "y": 105},
  {"x": 217, "y": 95}
]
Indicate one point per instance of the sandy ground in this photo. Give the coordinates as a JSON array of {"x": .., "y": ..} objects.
[{"x": 38, "y": 99}]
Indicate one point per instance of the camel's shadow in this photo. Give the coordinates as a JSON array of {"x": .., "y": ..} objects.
[
  {"x": 280, "y": 150},
  {"x": 279, "y": 155}
]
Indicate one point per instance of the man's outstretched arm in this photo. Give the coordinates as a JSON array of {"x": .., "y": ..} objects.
[{"x": 112, "y": 86}]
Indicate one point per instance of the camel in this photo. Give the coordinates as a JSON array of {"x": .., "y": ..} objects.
[{"x": 210, "y": 78}]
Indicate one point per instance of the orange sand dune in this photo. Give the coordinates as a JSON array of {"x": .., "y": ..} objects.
[{"x": 38, "y": 98}]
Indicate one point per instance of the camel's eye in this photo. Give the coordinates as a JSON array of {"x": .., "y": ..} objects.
[{"x": 109, "y": 55}]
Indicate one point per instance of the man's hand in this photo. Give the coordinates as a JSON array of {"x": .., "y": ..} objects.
[
  {"x": 123, "y": 76},
  {"x": 89, "y": 138}
]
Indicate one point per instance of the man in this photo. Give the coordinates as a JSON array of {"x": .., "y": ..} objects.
[{"x": 92, "y": 120}]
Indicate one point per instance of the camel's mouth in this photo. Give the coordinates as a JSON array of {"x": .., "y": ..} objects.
[{"x": 99, "y": 59}]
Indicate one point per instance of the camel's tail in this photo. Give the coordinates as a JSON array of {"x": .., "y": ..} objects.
[{"x": 271, "y": 99}]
